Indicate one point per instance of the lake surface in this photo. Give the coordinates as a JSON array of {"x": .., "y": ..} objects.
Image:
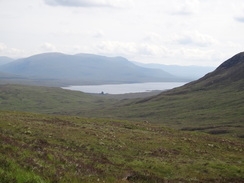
[{"x": 125, "y": 88}]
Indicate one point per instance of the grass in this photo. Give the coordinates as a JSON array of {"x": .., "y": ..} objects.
[
  {"x": 42, "y": 148},
  {"x": 48, "y": 100},
  {"x": 216, "y": 111}
]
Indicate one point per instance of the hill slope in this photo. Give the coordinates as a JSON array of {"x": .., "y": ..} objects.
[
  {"x": 85, "y": 67},
  {"x": 213, "y": 104},
  {"x": 228, "y": 73},
  {"x": 40, "y": 148}
]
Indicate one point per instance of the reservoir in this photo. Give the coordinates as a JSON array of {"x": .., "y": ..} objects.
[{"x": 125, "y": 88}]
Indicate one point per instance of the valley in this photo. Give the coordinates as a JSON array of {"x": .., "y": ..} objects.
[{"x": 193, "y": 133}]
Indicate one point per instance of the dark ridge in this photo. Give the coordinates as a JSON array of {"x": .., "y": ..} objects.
[
  {"x": 230, "y": 71},
  {"x": 237, "y": 59}
]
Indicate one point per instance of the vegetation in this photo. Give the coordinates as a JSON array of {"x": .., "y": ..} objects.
[
  {"x": 71, "y": 145},
  {"x": 215, "y": 111},
  {"x": 48, "y": 100},
  {"x": 42, "y": 148}
]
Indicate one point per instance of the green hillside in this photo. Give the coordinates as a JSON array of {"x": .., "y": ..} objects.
[
  {"x": 41, "y": 148},
  {"x": 213, "y": 104}
]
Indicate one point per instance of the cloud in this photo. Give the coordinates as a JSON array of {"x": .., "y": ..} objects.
[
  {"x": 12, "y": 52},
  {"x": 239, "y": 19},
  {"x": 194, "y": 39},
  {"x": 98, "y": 34},
  {"x": 153, "y": 37},
  {"x": 48, "y": 47},
  {"x": 156, "y": 53},
  {"x": 89, "y": 3},
  {"x": 186, "y": 7},
  {"x": 129, "y": 48}
]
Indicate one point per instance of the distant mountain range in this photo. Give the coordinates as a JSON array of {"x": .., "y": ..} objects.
[
  {"x": 58, "y": 69},
  {"x": 5, "y": 60},
  {"x": 85, "y": 67},
  {"x": 187, "y": 72}
]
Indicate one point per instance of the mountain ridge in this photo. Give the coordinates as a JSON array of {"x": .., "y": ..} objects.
[
  {"x": 191, "y": 72},
  {"x": 5, "y": 60},
  {"x": 85, "y": 67},
  {"x": 232, "y": 70}
]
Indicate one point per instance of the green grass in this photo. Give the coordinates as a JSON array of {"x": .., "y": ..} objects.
[
  {"x": 42, "y": 148},
  {"x": 210, "y": 111},
  {"x": 48, "y": 100},
  {"x": 216, "y": 111}
]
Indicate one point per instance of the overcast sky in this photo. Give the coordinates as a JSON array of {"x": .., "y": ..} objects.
[{"x": 183, "y": 32}]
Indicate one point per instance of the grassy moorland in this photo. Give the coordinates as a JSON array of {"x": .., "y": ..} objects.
[
  {"x": 212, "y": 104},
  {"x": 218, "y": 111},
  {"x": 42, "y": 148},
  {"x": 48, "y": 100}
]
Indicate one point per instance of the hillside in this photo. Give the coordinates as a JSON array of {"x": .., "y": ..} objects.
[
  {"x": 86, "y": 68},
  {"x": 213, "y": 104},
  {"x": 39, "y": 148},
  {"x": 230, "y": 72}
]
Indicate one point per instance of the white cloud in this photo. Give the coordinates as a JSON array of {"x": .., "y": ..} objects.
[
  {"x": 186, "y": 7},
  {"x": 48, "y": 47},
  {"x": 129, "y": 48},
  {"x": 11, "y": 52},
  {"x": 194, "y": 39},
  {"x": 98, "y": 34},
  {"x": 89, "y": 3},
  {"x": 153, "y": 37},
  {"x": 157, "y": 53}
]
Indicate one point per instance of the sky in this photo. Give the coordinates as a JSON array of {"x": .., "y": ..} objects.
[{"x": 173, "y": 32}]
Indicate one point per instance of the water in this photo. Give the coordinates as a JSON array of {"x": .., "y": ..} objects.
[{"x": 125, "y": 88}]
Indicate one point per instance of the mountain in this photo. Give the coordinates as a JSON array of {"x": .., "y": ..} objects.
[
  {"x": 85, "y": 67},
  {"x": 5, "y": 60},
  {"x": 227, "y": 74},
  {"x": 187, "y": 72}
]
